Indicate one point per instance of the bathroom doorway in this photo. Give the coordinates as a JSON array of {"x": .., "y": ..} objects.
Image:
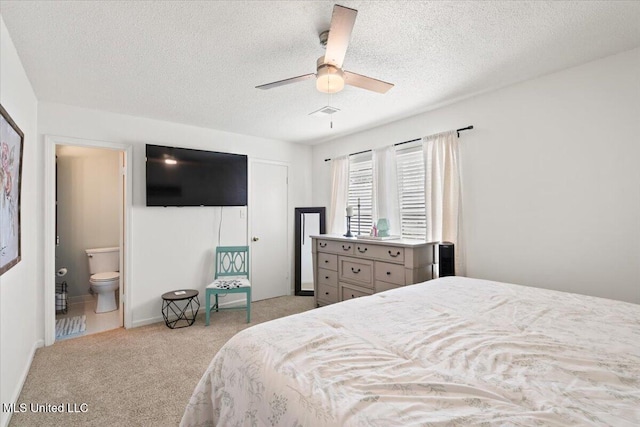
[{"x": 87, "y": 205}]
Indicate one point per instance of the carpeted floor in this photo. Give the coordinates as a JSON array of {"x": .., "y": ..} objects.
[{"x": 137, "y": 377}]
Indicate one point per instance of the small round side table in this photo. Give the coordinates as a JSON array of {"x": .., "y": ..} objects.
[{"x": 184, "y": 304}]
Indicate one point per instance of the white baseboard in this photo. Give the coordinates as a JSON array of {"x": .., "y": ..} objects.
[
  {"x": 149, "y": 321},
  {"x": 240, "y": 301},
  {"x": 159, "y": 318},
  {"x": 6, "y": 417},
  {"x": 81, "y": 299}
]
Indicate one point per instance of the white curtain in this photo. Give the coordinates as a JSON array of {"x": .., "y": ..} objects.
[
  {"x": 386, "y": 201},
  {"x": 339, "y": 195},
  {"x": 443, "y": 193}
]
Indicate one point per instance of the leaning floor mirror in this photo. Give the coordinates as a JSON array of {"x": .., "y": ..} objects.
[{"x": 309, "y": 222}]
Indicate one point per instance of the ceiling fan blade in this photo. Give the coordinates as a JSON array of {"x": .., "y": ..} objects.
[
  {"x": 286, "y": 81},
  {"x": 367, "y": 83},
  {"x": 342, "y": 22}
]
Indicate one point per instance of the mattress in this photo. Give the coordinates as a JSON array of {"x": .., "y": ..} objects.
[{"x": 450, "y": 351}]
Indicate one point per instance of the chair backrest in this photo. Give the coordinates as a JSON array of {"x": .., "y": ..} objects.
[{"x": 232, "y": 261}]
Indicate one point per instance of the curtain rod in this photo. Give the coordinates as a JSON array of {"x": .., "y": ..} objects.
[{"x": 406, "y": 142}]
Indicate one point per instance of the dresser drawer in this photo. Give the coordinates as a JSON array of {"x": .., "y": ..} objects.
[
  {"x": 327, "y": 277},
  {"x": 335, "y": 247},
  {"x": 384, "y": 253},
  {"x": 387, "y": 272},
  {"x": 356, "y": 270},
  {"x": 381, "y": 286},
  {"x": 328, "y": 261},
  {"x": 327, "y": 293},
  {"x": 388, "y": 253},
  {"x": 350, "y": 293},
  {"x": 363, "y": 249}
]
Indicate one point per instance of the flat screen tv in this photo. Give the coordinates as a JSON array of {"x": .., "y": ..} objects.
[{"x": 187, "y": 177}]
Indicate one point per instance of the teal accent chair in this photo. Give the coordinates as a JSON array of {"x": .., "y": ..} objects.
[{"x": 231, "y": 277}]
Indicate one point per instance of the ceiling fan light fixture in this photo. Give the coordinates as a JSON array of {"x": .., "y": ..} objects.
[{"x": 330, "y": 79}]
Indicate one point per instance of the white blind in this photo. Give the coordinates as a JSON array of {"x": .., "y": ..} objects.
[
  {"x": 413, "y": 214},
  {"x": 410, "y": 167},
  {"x": 361, "y": 188}
]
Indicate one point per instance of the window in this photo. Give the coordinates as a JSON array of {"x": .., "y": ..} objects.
[
  {"x": 410, "y": 169},
  {"x": 361, "y": 190},
  {"x": 413, "y": 213}
]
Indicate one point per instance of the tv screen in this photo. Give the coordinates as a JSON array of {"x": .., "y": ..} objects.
[{"x": 186, "y": 177}]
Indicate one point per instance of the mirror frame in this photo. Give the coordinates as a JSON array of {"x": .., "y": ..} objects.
[{"x": 298, "y": 246}]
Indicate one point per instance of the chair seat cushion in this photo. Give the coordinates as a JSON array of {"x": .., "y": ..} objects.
[{"x": 229, "y": 283}]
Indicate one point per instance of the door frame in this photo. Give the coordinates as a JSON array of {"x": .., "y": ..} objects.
[
  {"x": 251, "y": 212},
  {"x": 50, "y": 142}
]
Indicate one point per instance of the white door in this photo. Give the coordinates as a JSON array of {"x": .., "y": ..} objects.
[{"x": 269, "y": 252}]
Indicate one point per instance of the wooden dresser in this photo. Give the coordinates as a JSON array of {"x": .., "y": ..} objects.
[{"x": 345, "y": 268}]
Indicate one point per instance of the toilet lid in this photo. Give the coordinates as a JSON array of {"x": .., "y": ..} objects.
[{"x": 109, "y": 275}]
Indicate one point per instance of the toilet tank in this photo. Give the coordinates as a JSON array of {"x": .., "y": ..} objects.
[{"x": 102, "y": 260}]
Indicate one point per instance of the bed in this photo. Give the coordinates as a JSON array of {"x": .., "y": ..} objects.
[{"x": 450, "y": 351}]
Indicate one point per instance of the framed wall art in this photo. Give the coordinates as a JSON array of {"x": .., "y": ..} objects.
[{"x": 11, "y": 148}]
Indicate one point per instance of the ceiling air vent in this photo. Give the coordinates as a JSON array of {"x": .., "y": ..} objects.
[{"x": 324, "y": 111}]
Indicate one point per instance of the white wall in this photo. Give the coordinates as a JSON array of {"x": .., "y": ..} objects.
[
  {"x": 89, "y": 209},
  {"x": 20, "y": 297},
  {"x": 172, "y": 247},
  {"x": 550, "y": 177}
]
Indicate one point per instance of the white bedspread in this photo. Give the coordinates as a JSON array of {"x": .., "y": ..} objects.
[{"x": 452, "y": 351}]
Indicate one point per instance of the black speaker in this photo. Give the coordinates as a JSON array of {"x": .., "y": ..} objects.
[{"x": 447, "y": 260}]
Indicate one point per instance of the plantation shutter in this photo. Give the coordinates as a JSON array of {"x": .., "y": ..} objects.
[
  {"x": 413, "y": 220},
  {"x": 361, "y": 188}
]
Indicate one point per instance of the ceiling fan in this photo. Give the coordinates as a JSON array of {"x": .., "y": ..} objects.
[{"x": 330, "y": 77}]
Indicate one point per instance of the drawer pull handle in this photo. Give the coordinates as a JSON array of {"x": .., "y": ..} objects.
[
  {"x": 348, "y": 248},
  {"x": 394, "y": 256},
  {"x": 353, "y": 296},
  {"x": 353, "y": 270},
  {"x": 326, "y": 293},
  {"x": 388, "y": 273},
  {"x": 326, "y": 261},
  {"x": 361, "y": 251},
  {"x": 322, "y": 245},
  {"x": 326, "y": 277}
]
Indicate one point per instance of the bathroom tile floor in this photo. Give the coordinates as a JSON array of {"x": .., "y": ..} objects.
[{"x": 95, "y": 322}]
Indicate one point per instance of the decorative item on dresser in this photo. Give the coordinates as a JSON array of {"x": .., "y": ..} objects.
[{"x": 347, "y": 268}]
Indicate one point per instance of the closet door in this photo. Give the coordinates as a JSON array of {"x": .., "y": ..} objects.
[{"x": 269, "y": 248}]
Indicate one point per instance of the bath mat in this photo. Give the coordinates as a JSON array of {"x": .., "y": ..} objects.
[{"x": 70, "y": 326}]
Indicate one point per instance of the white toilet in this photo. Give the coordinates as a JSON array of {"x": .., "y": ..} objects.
[{"x": 104, "y": 267}]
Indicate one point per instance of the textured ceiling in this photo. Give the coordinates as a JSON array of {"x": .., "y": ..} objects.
[{"x": 198, "y": 62}]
